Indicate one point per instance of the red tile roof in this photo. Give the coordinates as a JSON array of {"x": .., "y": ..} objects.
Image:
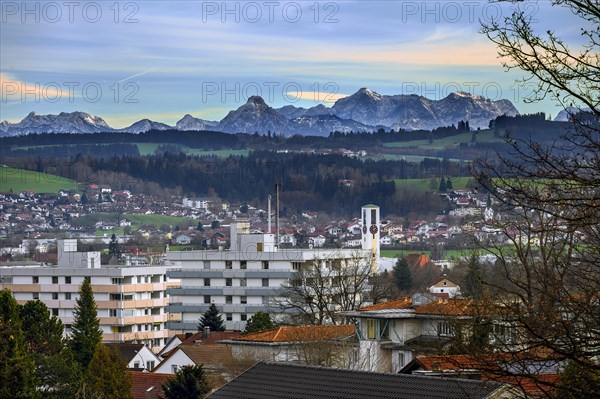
[
  {"x": 300, "y": 333},
  {"x": 148, "y": 385}
]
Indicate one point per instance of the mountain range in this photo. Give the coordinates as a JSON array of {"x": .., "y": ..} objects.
[{"x": 364, "y": 110}]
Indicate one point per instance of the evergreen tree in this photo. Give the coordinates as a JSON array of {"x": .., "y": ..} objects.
[
  {"x": 442, "y": 188},
  {"x": 449, "y": 186},
  {"x": 578, "y": 382},
  {"x": 473, "y": 286},
  {"x": 55, "y": 367},
  {"x": 190, "y": 382},
  {"x": 86, "y": 333},
  {"x": 402, "y": 275},
  {"x": 113, "y": 246},
  {"x": 106, "y": 376},
  {"x": 212, "y": 319},
  {"x": 17, "y": 370},
  {"x": 84, "y": 198},
  {"x": 261, "y": 321}
]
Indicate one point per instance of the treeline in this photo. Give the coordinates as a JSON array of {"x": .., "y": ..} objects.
[
  {"x": 72, "y": 150},
  {"x": 335, "y": 184}
]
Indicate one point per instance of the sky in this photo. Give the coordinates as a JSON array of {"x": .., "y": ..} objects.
[{"x": 129, "y": 60}]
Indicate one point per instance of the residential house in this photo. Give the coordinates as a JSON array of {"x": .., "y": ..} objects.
[
  {"x": 280, "y": 380},
  {"x": 392, "y": 333},
  {"x": 136, "y": 356},
  {"x": 539, "y": 380},
  {"x": 445, "y": 287},
  {"x": 211, "y": 356},
  {"x": 334, "y": 345}
]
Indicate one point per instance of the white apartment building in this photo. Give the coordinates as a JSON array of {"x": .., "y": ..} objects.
[
  {"x": 242, "y": 280},
  {"x": 131, "y": 300}
]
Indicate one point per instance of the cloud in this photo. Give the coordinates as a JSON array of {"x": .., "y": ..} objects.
[
  {"x": 14, "y": 90},
  {"x": 317, "y": 96}
]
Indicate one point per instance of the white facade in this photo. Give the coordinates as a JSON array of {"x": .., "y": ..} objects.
[
  {"x": 196, "y": 203},
  {"x": 240, "y": 281},
  {"x": 371, "y": 231},
  {"x": 131, "y": 300}
]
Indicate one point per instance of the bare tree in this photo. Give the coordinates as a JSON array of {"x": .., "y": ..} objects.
[
  {"x": 324, "y": 287},
  {"x": 549, "y": 198}
]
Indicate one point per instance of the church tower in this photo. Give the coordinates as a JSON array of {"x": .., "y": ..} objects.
[{"x": 370, "y": 232}]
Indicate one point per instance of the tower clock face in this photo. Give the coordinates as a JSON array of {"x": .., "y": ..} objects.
[{"x": 373, "y": 229}]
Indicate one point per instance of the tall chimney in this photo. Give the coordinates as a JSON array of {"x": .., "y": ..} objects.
[
  {"x": 206, "y": 332},
  {"x": 269, "y": 215},
  {"x": 277, "y": 187}
]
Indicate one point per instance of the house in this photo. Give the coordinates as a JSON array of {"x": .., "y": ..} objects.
[
  {"x": 540, "y": 383},
  {"x": 198, "y": 348},
  {"x": 277, "y": 380},
  {"x": 148, "y": 385},
  {"x": 321, "y": 344},
  {"x": 392, "y": 333},
  {"x": 137, "y": 356},
  {"x": 183, "y": 239},
  {"x": 317, "y": 241},
  {"x": 444, "y": 286}
]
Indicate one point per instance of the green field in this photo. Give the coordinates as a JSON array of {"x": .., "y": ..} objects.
[
  {"x": 17, "y": 180},
  {"x": 137, "y": 221},
  {"x": 483, "y": 136},
  {"x": 458, "y": 183},
  {"x": 149, "y": 148}
]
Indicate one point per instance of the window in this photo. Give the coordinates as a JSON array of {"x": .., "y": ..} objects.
[
  {"x": 228, "y": 316},
  {"x": 296, "y": 266},
  {"x": 120, "y": 280},
  {"x": 136, "y": 365},
  {"x": 242, "y": 282},
  {"x": 174, "y": 368},
  {"x": 54, "y": 279},
  {"x": 35, "y": 279},
  {"x": 228, "y": 264},
  {"x": 112, "y": 312},
  {"x": 243, "y": 300},
  {"x": 68, "y": 296},
  {"x": 54, "y": 312},
  {"x": 445, "y": 328},
  {"x": 207, "y": 282},
  {"x": 207, "y": 264},
  {"x": 228, "y": 282},
  {"x": 265, "y": 282},
  {"x": 243, "y": 264},
  {"x": 265, "y": 264},
  {"x": 228, "y": 299},
  {"x": 259, "y": 247},
  {"x": 206, "y": 298},
  {"x": 55, "y": 295},
  {"x": 68, "y": 280},
  {"x": 150, "y": 363},
  {"x": 371, "y": 328},
  {"x": 243, "y": 317},
  {"x": 36, "y": 295}
]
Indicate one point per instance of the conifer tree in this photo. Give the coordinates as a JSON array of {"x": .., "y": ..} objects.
[
  {"x": 17, "y": 370},
  {"x": 56, "y": 370},
  {"x": 211, "y": 319},
  {"x": 261, "y": 321},
  {"x": 402, "y": 275},
  {"x": 190, "y": 382},
  {"x": 86, "y": 333},
  {"x": 106, "y": 376}
]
